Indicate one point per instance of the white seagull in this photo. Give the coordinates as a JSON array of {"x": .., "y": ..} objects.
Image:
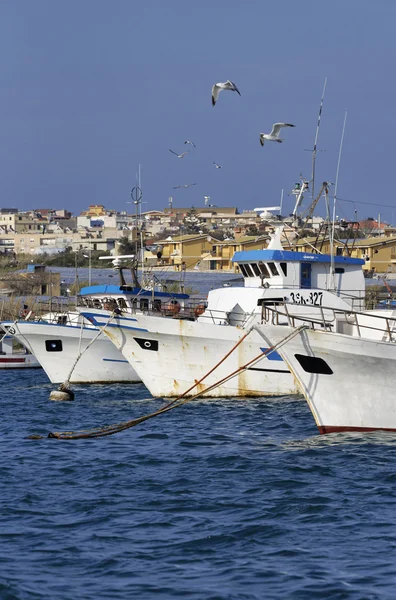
[
  {"x": 186, "y": 185},
  {"x": 216, "y": 89},
  {"x": 179, "y": 155},
  {"x": 189, "y": 142},
  {"x": 274, "y": 135},
  {"x": 218, "y": 166}
]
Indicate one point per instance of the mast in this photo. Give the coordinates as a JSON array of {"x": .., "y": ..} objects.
[
  {"x": 335, "y": 201},
  {"x": 314, "y": 152},
  {"x": 136, "y": 195}
]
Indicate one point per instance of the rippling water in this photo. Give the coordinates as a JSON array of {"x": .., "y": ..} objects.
[{"x": 226, "y": 499}]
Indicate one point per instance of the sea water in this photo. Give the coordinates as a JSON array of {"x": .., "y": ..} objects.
[{"x": 217, "y": 499}]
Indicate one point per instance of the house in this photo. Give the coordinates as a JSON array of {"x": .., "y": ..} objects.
[
  {"x": 378, "y": 252},
  {"x": 181, "y": 252},
  {"x": 220, "y": 256}
]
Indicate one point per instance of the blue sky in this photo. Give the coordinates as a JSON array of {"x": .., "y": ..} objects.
[{"x": 90, "y": 89}]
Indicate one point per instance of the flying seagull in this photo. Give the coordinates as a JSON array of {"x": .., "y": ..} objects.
[
  {"x": 189, "y": 142},
  {"x": 186, "y": 185},
  {"x": 179, "y": 155},
  {"x": 274, "y": 135},
  {"x": 218, "y": 166},
  {"x": 216, "y": 89}
]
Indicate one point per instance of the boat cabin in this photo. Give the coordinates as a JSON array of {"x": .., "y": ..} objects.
[
  {"x": 130, "y": 299},
  {"x": 301, "y": 270}
]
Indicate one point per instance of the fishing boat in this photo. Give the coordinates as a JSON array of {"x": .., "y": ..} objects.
[
  {"x": 345, "y": 366},
  {"x": 172, "y": 355},
  {"x": 14, "y": 355},
  {"x": 58, "y": 339}
]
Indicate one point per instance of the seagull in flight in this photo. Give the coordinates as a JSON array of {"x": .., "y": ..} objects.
[
  {"x": 274, "y": 135},
  {"x": 179, "y": 155},
  {"x": 218, "y": 166},
  {"x": 216, "y": 89},
  {"x": 186, "y": 185},
  {"x": 189, "y": 142}
]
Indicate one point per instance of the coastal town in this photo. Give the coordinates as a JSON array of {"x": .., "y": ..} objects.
[{"x": 195, "y": 237}]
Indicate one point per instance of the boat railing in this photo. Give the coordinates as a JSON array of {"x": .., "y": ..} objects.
[{"x": 327, "y": 318}]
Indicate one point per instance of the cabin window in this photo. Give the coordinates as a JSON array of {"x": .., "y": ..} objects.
[
  {"x": 339, "y": 270},
  {"x": 339, "y": 251},
  {"x": 249, "y": 271},
  {"x": 122, "y": 304},
  {"x": 97, "y": 303},
  {"x": 263, "y": 269},
  {"x": 243, "y": 270},
  {"x": 62, "y": 320},
  {"x": 144, "y": 304},
  {"x": 134, "y": 303},
  {"x": 273, "y": 269},
  {"x": 283, "y": 266},
  {"x": 157, "y": 305},
  {"x": 256, "y": 270},
  {"x": 269, "y": 301}
]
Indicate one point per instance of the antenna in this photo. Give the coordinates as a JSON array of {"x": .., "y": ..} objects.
[
  {"x": 170, "y": 202},
  {"x": 314, "y": 152},
  {"x": 281, "y": 202}
]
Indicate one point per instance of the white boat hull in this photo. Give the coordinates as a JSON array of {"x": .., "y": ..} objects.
[
  {"x": 19, "y": 361},
  {"x": 101, "y": 363},
  {"x": 353, "y": 389},
  {"x": 170, "y": 356}
]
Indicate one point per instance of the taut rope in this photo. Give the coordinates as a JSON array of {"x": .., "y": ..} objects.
[{"x": 179, "y": 401}]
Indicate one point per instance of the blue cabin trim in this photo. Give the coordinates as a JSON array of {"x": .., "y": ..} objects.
[
  {"x": 129, "y": 291},
  {"x": 286, "y": 255}
]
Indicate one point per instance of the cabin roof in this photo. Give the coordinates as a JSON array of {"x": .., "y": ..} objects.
[
  {"x": 127, "y": 290},
  {"x": 286, "y": 255}
]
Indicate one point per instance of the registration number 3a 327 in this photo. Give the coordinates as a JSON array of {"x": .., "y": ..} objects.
[{"x": 314, "y": 298}]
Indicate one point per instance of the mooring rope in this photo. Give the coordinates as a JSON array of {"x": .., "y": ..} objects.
[
  {"x": 66, "y": 384},
  {"x": 6, "y": 331},
  {"x": 179, "y": 401}
]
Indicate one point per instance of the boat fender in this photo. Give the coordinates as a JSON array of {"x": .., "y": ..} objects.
[
  {"x": 199, "y": 310},
  {"x": 172, "y": 306}
]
